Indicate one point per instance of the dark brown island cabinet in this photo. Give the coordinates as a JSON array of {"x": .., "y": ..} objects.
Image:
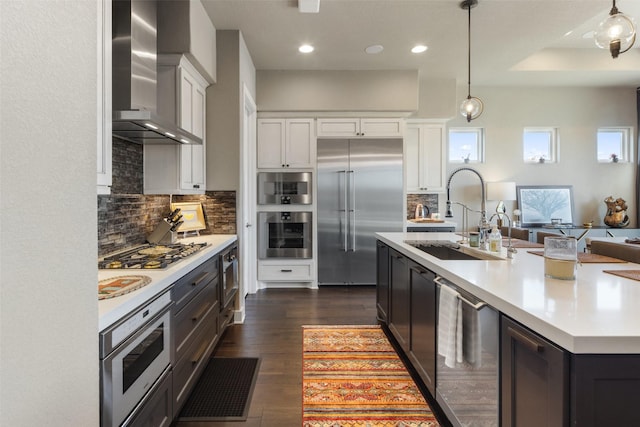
[{"x": 542, "y": 384}]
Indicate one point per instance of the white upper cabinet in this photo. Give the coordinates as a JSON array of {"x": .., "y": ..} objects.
[
  {"x": 104, "y": 99},
  {"x": 359, "y": 128},
  {"x": 178, "y": 169},
  {"x": 286, "y": 143},
  {"x": 424, "y": 156}
]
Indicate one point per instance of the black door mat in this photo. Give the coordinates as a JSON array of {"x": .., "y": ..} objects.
[{"x": 223, "y": 392}]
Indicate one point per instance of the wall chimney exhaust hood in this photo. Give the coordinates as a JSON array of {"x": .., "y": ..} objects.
[{"x": 135, "y": 81}]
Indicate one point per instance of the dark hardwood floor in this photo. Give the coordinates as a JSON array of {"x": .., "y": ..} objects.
[{"x": 272, "y": 331}]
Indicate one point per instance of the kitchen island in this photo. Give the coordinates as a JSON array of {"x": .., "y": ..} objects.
[{"x": 569, "y": 350}]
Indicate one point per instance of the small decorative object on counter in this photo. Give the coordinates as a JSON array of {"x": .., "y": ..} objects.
[
  {"x": 541, "y": 159},
  {"x": 495, "y": 239},
  {"x": 560, "y": 257},
  {"x": 614, "y": 158},
  {"x": 616, "y": 212},
  {"x": 474, "y": 239},
  {"x": 516, "y": 218}
]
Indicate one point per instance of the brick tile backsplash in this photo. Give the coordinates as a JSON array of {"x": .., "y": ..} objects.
[
  {"x": 428, "y": 200},
  {"x": 126, "y": 216}
]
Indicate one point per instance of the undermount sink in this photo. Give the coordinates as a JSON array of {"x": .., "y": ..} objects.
[{"x": 450, "y": 251}]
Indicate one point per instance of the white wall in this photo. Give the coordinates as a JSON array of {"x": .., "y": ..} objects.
[
  {"x": 577, "y": 113},
  {"x": 48, "y": 246}
]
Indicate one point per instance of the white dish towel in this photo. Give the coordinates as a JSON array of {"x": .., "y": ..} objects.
[{"x": 450, "y": 326}]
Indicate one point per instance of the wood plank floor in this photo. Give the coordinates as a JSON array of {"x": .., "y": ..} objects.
[{"x": 272, "y": 331}]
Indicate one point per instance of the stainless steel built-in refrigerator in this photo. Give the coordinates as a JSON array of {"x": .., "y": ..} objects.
[{"x": 359, "y": 194}]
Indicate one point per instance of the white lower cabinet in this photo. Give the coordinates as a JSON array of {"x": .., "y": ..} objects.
[
  {"x": 424, "y": 156},
  {"x": 286, "y": 271}
]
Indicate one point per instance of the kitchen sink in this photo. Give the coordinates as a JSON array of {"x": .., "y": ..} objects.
[{"x": 450, "y": 251}]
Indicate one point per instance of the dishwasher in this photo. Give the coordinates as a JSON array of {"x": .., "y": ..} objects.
[{"x": 467, "y": 367}]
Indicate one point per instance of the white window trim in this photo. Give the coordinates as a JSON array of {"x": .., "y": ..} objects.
[
  {"x": 480, "y": 136},
  {"x": 626, "y": 150},
  {"x": 554, "y": 144}
]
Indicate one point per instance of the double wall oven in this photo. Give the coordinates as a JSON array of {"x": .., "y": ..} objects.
[{"x": 285, "y": 221}]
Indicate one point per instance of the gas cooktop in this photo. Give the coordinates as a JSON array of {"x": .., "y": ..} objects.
[{"x": 150, "y": 256}]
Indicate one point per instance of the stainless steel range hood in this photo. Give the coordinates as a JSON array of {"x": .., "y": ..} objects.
[{"x": 135, "y": 81}]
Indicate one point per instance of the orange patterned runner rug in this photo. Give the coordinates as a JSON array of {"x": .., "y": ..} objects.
[{"x": 352, "y": 377}]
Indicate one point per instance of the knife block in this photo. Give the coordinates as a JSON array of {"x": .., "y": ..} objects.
[{"x": 160, "y": 233}]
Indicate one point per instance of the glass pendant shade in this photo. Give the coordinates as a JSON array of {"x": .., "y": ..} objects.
[
  {"x": 616, "y": 33},
  {"x": 471, "y": 108}
]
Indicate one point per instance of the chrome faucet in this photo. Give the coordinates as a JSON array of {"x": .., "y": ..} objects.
[{"x": 484, "y": 224}]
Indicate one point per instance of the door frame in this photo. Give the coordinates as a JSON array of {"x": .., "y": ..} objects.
[{"x": 247, "y": 197}]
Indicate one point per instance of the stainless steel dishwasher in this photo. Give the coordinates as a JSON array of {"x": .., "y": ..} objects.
[{"x": 467, "y": 383}]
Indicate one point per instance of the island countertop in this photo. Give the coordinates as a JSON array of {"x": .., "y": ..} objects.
[{"x": 597, "y": 313}]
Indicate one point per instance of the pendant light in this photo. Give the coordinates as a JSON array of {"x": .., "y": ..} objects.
[
  {"x": 616, "y": 33},
  {"x": 471, "y": 107}
]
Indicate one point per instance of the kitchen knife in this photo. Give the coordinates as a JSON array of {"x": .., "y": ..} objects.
[
  {"x": 172, "y": 214},
  {"x": 176, "y": 216},
  {"x": 175, "y": 226}
]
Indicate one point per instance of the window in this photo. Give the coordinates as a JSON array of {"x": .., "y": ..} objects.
[
  {"x": 466, "y": 145},
  {"x": 612, "y": 145},
  {"x": 540, "y": 145}
]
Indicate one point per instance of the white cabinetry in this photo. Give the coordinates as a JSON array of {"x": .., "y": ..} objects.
[
  {"x": 424, "y": 156},
  {"x": 286, "y": 143},
  {"x": 104, "y": 99},
  {"x": 360, "y": 127},
  {"x": 178, "y": 169},
  {"x": 286, "y": 271}
]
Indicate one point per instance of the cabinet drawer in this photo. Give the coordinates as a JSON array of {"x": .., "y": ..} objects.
[
  {"x": 186, "y": 323},
  {"x": 284, "y": 272},
  {"x": 189, "y": 285},
  {"x": 157, "y": 409},
  {"x": 187, "y": 370},
  {"x": 225, "y": 317}
]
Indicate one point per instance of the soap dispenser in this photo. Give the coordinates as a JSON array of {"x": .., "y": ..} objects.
[{"x": 495, "y": 239}]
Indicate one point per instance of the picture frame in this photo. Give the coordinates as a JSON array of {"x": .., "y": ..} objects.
[
  {"x": 545, "y": 205},
  {"x": 192, "y": 215}
]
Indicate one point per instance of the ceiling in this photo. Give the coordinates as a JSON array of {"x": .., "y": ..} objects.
[{"x": 513, "y": 42}]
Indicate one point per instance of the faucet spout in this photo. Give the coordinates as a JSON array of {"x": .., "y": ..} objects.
[{"x": 483, "y": 210}]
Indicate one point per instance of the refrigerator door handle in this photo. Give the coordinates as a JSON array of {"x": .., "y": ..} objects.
[
  {"x": 342, "y": 194},
  {"x": 352, "y": 209}
]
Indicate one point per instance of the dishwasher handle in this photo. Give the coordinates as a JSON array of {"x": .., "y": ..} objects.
[{"x": 464, "y": 296}]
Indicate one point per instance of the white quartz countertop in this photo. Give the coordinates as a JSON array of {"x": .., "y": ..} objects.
[
  {"x": 596, "y": 313},
  {"x": 111, "y": 310}
]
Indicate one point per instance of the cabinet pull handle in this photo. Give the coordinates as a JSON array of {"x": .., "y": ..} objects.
[
  {"x": 200, "y": 313},
  {"x": 288, "y": 270},
  {"x": 196, "y": 185},
  {"x": 199, "y": 279},
  {"x": 200, "y": 353},
  {"x": 530, "y": 343}
]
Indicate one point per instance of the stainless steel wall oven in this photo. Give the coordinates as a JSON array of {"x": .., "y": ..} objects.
[
  {"x": 284, "y": 235},
  {"x": 284, "y": 188},
  {"x": 135, "y": 357}
]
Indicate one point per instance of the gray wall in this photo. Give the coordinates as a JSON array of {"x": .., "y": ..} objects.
[
  {"x": 48, "y": 305},
  {"x": 224, "y": 111},
  {"x": 280, "y": 90}
]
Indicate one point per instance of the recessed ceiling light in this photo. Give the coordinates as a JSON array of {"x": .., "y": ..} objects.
[
  {"x": 373, "y": 49},
  {"x": 306, "y": 48},
  {"x": 419, "y": 48}
]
